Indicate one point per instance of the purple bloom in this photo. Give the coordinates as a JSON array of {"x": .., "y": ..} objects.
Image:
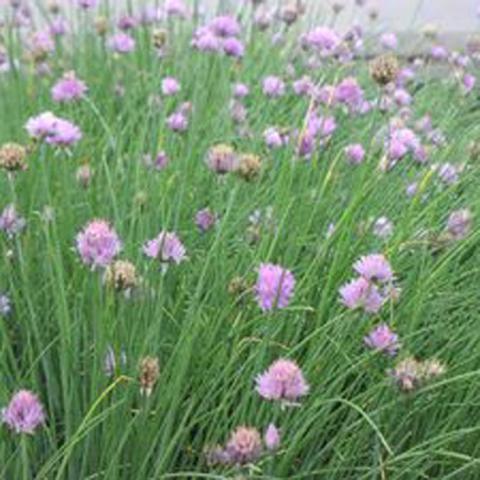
[
  {"x": 170, "y": 86},
  {"x": 166, "y": 247},
  {"x": 360, "y": 293},
  {"x": 54, "y": 130},
  {"x": 439, "y": 53},
  {"x": 468, "y": 82},
  {"x": 389, "y": 41},
  {"x": 273, "y": 87},
  {"x": 205, "y": 219},
  {"x": 323, "y": 39},
  {"x": 41, "y": 126},
  {"x": 222, "y": 159},
  {"x": 177, "y": 122},
  {"x": 42, "y": 43},
  {"x": 11, "y": 222},
  {"x": 161, "y": 161},
  {"x": 206, "y": 41},
  {"x": 459, "y": 223},
  {"x": 233, "y": 47},
  {"x": 274, "y": 139},
  {"x": 374, "y": 267},
  {"x": 383, "y": 339},
  {"x": 303, "y": 86},
  {"x": 349, "y": 92},
  {"x": 225, "y": 26},
  {"x": 87, "y": 4},
  {"x": 98, "y": 244},
  {"x": 175, "y": 8},
  {"x": 274, "y": 287},
  {"x": 448, "y": 173},
  {"x": 244, "y": 446},
  {"x": 355, "y": 153},
  {"x": 272, "y": 437},
  {"x": 121, "y": 43},
  {"x": 68, "y": 88},
  {"x": 282, "y": 381},
  {"x": 24, "y": 413},
  {"x": 240, "y": 90},
  {"x": 127, "y": 22},
  {"x": 58, "y": 27},
  {"x": 64, "y": 134}
]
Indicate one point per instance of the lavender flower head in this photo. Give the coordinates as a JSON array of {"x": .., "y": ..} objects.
[
  {"x": 274, "y": 287},
  {"x": 224, "y": 26},
  {"x": 170, "y": 86},
  {"x": 11, "y": 223},
  {"x": 54, "y": 130},
  {"x": 355, "y": 153},
  {"x": 68, "y": 88},
  {"x": 166, "y": 247},
  {"x": 98, "y": 244},
  {"x": 459, "y": 223},
  {"x": 360, "y": 293},
  {"x": 87, "y": 4},
  {"x": 244, "y": 446},
  {"x": 382, "y": 227},
  {"x": 383, "y": 339},
  {"x": 374, "y": 267},
  {"x": 273, "y": 87},
  {"x": 121, "y": 43},
  {"x": 272, "y": 437},
  {"x": 205, "y": 219},
  {"x": 24, "y": 413},
  {"x": 283, "y": 380}
]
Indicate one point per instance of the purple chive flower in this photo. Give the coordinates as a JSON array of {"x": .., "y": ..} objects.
[
  {"x": 283, "y": 380},
  {"x": 224, "y": 26},
  {"x": 42, "y": 43},
  {"x": 349, "y": 92},
  {"x": 233, "y": 47},
  {"x": 121, "y": 43},
  {"x": 176, "y": 8},
  {"x": 58, "y": 27},
  {"x": 127, "y": 22},
  {"x": 468, "y": 82},
  {"x": 439, "y": 53},
  {"x": 374, "y": 267},
  {"x": 161, "y": 161},
  {"x": 5, "y": 305},
  {"x": 24, "y": 413},
  {"x": 355, "y": 153},
  {"x": 448, "y": 173},
  {"x": 64, "y": 134},
  {"x": 274, "y": 287},
  {"x": 11, "y": 223},
  {"x": 402, "y": 97},
  {"x": 166, "y": 247},
  {"x": 360, "y": 293},
  {"x": 244, "y": 446},
  {"x": 272, "y": 437},
  {"x": 98, "y": 244},
  {"x": 459, "y": 223},
  {"x": 322, "y": 39},
  {"x": 383, "y": 339},
  {"x": 206, "y": 41},
  {"x": 274, "y": 139},
  {"x": 205, "y": 219},
  {"x": 303, "y": 86},
  {"x": 170, "y": 86},
  {"x": 55, "y": 130},
  {"x": 382, "y": 227},
  {"x": 87, "y": 4},
  {"x": 177, "y": 122},
  {"x": 240, "y": 90},
  {"x": 41, "y": 126},
  {"x": 273, "y": 87},
  {"x": 389, "y": 41}
]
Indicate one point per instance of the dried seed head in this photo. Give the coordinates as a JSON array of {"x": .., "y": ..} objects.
[
  {"x": 159, "y": 37},
  {"x": 149, "y": 373},
  {"x": 384, "y": 69},
  {"x": 84, "y": 175},
  {"x": 222, "y": 158},
  {"x": 53, "y": 7},
  {"x": 249, "y": 166},
  {"x": 101, "y": 25},
  {"x": 237, "y": 286},
  {"x": 12, "y": 157},
  {"x": 121, "y": 275}
]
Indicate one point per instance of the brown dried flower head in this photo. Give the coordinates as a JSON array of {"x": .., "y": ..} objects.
[
  {"x": 121, "y": 275},
  {"x": 384, "y": 69},
  {"x": 249, "y": 166},
  {"x": 12, "y": 157},
  {"x": 149, "y": 373}
]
